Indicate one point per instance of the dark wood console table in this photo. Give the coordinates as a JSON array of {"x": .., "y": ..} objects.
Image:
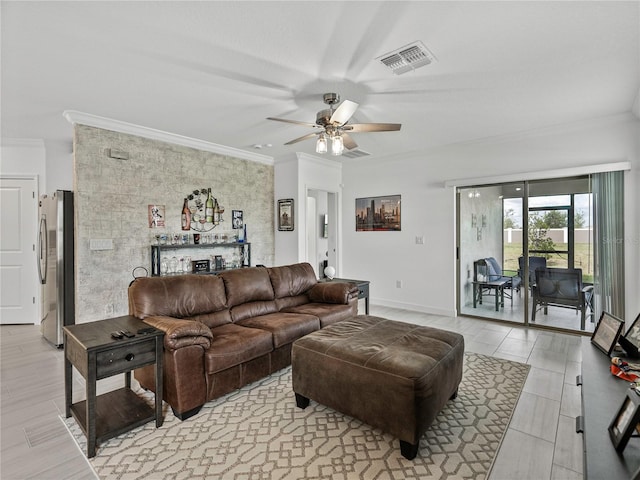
[
  {"x": 363, "y": 289},
  {"x": 602, "y": 395},
  {"x": 90, "y": 348}
]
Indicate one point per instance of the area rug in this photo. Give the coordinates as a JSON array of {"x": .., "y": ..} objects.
[{"x": 258, "y": 433}]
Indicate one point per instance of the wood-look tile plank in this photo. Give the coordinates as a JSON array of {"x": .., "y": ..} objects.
[
  {"x": 536, "y": 416},
  {"x": 544, "y": 383},
  {"x": 569, "y": 447},
  {"x": 523, "y": 456}
]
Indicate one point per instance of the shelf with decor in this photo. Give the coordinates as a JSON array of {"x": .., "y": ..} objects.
[{"x": 190, "y": 259}]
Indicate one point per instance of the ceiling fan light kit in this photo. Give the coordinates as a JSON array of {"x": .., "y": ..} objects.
[
  {"x": 321, "y": 144},
  {"x": 334, "y": 126},
  {"x": 337, "y": 145}
]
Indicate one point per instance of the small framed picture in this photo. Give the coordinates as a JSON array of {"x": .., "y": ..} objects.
[
  {"x": 156, "y": 216},
  {"x": 626, "y": 420},
  {"x": 237, "y": 220},
  {"x": 285, "y": 215},
  {"x": 630, "y": 341},
  {"x": 606, "y": 333}
]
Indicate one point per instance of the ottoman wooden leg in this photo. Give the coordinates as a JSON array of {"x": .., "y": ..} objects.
[
  {"x": 409, "y": 450},
  {"x": 302, "y": 402},
  {"x": 454, "y": 396}
]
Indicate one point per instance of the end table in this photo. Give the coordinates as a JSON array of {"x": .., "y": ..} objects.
[{"x": 90, "y": 348}]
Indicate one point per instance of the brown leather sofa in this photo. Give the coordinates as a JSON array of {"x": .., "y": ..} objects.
[{"x": 225, "y": 331}]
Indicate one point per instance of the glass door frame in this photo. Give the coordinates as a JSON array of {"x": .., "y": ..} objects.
[
  {"x": 539, "y": 189},
  {"x": 461, "y": 275}
]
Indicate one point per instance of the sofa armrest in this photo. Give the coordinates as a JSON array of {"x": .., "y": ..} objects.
[
  {"x": 181, "y": 333},
  {"x": 333, "y": 292}
]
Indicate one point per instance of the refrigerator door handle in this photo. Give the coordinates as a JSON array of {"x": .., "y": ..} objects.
[{"x": 43, "y": 252}]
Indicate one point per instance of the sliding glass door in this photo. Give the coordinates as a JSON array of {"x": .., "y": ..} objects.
[{"x": 550, "y": 224}]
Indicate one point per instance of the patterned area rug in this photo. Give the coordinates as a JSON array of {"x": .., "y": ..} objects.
[{"x": 259, "y": 433}]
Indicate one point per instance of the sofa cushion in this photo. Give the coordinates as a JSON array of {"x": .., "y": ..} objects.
[
  {"x": 285, "y": 327},
  {"x": 246, "y": 285},
  {"x": 253, "y": 309},
  {"x": 180, "y": 296},
  {"x": 327, "y": 313},
  {"x": 283, "y": 303},
  {"x": 292, "y": 280},
  {"x": 233, "y": 345}
]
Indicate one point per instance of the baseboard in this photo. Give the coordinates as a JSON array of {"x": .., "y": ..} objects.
[{"x": 413, "y": 307}]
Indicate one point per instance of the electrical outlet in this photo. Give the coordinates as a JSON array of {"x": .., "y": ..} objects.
[
  {"x": 419, "y": 240},
  {"x": 108, "y": 309},
  {"x": 398, "y": 283}
]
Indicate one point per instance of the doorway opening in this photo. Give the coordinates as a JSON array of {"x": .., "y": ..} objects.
[{"x": 322, "y": 230}]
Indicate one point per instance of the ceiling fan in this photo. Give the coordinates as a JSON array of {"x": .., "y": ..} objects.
[{"x": 334, "y": 128}]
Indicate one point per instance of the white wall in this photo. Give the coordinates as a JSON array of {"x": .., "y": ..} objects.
[
  {"x": 59, "y": 172},
  {"x": 428, "y": 208},
  {"x": 294, "y": 176},
  {"x": 285, "y": 180},
  {"x": 24, "y": 156}
]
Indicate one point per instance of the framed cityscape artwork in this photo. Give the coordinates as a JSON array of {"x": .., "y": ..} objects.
[{"x": 378, "y": 214}]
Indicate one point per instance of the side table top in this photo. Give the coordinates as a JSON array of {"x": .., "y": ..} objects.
[
  {"x": 343, "y": 280},
  {"x": 93, "y": 335}
]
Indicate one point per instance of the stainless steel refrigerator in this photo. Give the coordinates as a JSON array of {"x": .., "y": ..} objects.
[{"x": 55, "y": 264}]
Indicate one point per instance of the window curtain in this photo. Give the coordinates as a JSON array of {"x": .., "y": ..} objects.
[{"x": 608, "y": 200}]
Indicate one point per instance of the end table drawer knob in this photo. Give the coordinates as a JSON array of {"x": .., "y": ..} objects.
[{"x": 129, "y": 357}]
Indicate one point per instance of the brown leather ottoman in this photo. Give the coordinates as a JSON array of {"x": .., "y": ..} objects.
[{"x": 392, "y": 375}]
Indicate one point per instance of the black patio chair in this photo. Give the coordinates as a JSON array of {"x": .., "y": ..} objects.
[
  {"x": 561, "y": 287},
  {"x": 534, "y": 263}
]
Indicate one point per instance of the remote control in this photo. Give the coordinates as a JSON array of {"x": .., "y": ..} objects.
[
  {"x": 145, "y": 330},
  {"x": 116, "y": 335},
  {"x": 127, "y": 333}
]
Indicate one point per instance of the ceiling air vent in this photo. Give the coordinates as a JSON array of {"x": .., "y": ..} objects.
[
  {"x": 355, "y": 153},
  {"x": 407, "y": 58}
]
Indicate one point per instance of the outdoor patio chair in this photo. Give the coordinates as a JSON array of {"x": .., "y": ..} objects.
[
  {"x": 534, "y": 263},
  {"x": 561, "y": 287},
  {"x": 495, "y": 273}
]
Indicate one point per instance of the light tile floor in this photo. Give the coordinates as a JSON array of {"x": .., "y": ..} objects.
[{"x": 540, "y": 444}]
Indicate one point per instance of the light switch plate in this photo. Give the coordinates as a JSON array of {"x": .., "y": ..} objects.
[{"x": 101, "y": 244}]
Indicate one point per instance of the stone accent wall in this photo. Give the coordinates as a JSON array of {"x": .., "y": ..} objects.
[{"x": 112, "y": 198}]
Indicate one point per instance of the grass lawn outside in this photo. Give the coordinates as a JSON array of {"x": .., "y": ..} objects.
[{"x": 583, "y": 258}]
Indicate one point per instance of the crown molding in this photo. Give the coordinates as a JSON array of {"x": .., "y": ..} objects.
[
  {"x": 319, "y": 160},
  {"x": 81, "y": 118}
]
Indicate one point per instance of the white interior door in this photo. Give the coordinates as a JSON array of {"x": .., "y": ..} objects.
[{"x": 18, "y": 274}]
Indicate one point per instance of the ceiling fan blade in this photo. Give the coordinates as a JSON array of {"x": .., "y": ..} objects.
[
  {"x": 295, "y": 122},
  {"x": 373, "y": 127},
  {"x": 300, "y": 139},
  {"x": 344, "y": 112},
  {"x": 348, "y": 142}
]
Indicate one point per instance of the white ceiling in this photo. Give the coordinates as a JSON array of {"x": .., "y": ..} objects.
[{"x": 215, "y": 70}]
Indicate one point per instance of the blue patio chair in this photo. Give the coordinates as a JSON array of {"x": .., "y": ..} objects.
[{"x": 494, "y": 273}]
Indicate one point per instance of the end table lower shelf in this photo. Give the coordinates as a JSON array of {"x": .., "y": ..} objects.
[{"x": 116, "y": 412}]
